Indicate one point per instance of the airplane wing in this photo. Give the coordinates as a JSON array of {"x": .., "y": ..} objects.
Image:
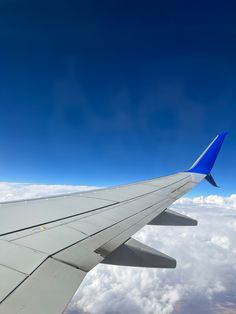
[{"x": 48, "y": 245}]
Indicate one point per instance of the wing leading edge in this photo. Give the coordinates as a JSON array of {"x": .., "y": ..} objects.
[{"x": 48, "y": 245}]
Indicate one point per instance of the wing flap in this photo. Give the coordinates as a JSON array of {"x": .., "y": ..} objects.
[
  {"x": 48, "y": 290},
  {"x": 10, "y": 279},
  {"x": 79, "y": 256},
  {"x": 20, "y": 258}
]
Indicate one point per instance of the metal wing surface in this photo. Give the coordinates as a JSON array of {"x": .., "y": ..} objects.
[{"x": 48, "y": 245}]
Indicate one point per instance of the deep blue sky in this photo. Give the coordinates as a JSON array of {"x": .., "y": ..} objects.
[{"x": 109, "y": 92}]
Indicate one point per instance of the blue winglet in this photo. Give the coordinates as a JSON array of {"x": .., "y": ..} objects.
[{"x": 206, "y": 161}]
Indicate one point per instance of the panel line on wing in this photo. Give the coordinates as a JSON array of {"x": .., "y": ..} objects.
[
  {"x": 59, "y": 219},
  {"x": 26, "y": 277},
  {"x": 89, "y": 211},
  {"x": 117, "y": 224},
  {"x": 37, "y": 240}
]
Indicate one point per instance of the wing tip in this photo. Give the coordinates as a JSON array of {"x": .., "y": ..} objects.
[{"x": 205, "y": 162}]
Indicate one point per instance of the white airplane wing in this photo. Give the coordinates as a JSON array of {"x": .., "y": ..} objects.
[{"x": 48, "y": 245}]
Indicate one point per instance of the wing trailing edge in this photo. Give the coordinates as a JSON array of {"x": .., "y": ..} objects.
[{"x": 136, "y": 254}]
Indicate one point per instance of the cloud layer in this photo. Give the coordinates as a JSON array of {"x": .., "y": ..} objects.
[
  {"x": 203, "y": 282},
  {"x": 13, "y": 191}
]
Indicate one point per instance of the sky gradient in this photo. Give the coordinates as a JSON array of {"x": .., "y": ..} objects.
[{"x": 109, "y": 92}]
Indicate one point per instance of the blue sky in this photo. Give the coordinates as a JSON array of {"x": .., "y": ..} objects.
[{"x": 110, "y": 92}]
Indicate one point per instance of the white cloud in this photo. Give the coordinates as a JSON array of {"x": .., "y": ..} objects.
[
  {"x": 211, "y": 200},
  {"x": 221, "y": 241},
  {"x": 217, "y": 288},
  {"x": 206, "y": 262},
  {"x": 13, "y": 191}
]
